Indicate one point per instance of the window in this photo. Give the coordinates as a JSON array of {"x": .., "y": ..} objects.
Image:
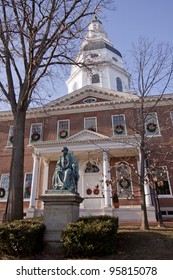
[
  {"x": 115, "y": 59},
  {"x": 152, "y": 125},
  {"x": 119, "y": 125},
  {"x": 36, "y": 132},
  {"x": 161, "y": 180},
  {"x": 27, "y": 185},
  {"x": 90, "y": 124},
  {"x": 4, "y": 186},
  {"x": 119, "y": 84},
  {"x": 123, "y": 175},
  {"x": 95, "y": 79},
  {"x": 10, "y": 136},
  {"x": 75, "y": 86},
  {"x": 94, "y": 55},
  {"x": 89, "y": 100},
  {"x": 63, "y": 129},
  {"x": 91, "y": 168}
]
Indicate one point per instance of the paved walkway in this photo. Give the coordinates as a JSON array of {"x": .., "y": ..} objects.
[{"x": 167, "y": 224}]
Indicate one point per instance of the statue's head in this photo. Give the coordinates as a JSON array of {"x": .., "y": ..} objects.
[{"x": 65, "y": 149}]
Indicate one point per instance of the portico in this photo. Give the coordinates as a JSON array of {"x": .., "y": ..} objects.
[{"x": 93, "y": 152}]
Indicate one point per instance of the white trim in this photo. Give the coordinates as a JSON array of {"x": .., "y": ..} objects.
[
  {"x": 125, "y": 129},
  {"x": 26, "y": 173},
  {"x": 169, "y": 184},
  {"x": 95, "y": 122},
  {"x": 68, "y": 128},
  {"x": 31, "y": 131},
  {"x": 10, "y": 134},
  {"x": 171, "y": 116},
  {"x": 4, "y": 199},
  {"x": 154, "y": 134}
]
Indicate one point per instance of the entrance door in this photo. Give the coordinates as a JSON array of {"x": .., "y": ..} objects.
[{"x": 93, "y": 190}]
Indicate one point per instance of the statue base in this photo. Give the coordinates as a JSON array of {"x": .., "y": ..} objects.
[{"x": 60, "y": 208}]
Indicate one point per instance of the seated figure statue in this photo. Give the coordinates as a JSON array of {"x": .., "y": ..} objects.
[{"x": 66, "y": 173}]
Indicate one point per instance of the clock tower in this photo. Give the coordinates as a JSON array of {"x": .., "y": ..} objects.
[{"x": 107, "y": 70}]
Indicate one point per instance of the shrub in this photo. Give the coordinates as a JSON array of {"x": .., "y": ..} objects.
[
  {"x": 90, "y": 236},
  {"x": 22, "y": 237}
]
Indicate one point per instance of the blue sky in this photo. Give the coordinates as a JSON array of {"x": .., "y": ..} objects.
[{"x": 134, "y": 18}]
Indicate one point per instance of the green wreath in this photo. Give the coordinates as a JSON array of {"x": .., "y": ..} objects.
[
  {"x": 124, "y": 183},
  {"x": 151, "y": 127},
  {"x": 119, "y": 129},
  {"x": 63, "y": 134},
  {"x": 11, "y": 139},
  {"x": 35, "y": 136},
  {"x": 2, "y": 192}
]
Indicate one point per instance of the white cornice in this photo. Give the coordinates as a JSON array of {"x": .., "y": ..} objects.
[
  {"x": 52, "y": 149},
  {"x": 115, "y": 102},
  {"x": 90, "y": 90},
  {"x": 87, "y": 136}
]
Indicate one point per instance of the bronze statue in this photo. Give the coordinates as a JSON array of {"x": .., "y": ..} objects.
[{"x": 66, "y": 173}]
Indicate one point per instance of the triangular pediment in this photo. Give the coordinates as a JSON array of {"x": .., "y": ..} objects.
[
  {"x": 86, "y": 135},
  {"x": 91, "y": 94}
]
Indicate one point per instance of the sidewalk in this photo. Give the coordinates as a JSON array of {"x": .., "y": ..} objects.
[{"x": 167, "y": 224}]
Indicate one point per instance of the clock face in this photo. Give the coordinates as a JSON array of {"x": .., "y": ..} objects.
[{"x": 89, "y": 100}]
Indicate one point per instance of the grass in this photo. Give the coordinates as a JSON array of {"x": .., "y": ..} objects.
[
  {"x": 154, "y": 244},
  {"x": 133, "y": 244}
]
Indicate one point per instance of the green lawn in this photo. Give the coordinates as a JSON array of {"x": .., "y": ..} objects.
[{"x": 134, "y": 244}]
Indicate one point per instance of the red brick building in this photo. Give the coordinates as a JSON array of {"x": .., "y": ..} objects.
[{"x": 98, "y": 121}]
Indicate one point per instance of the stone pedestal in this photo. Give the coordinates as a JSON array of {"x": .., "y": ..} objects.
[{"x": 60, "y": 208}]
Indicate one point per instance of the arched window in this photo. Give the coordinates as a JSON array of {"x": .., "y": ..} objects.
[
  {"x": 123, "y": 175},
  {"x": 95, "y": 79},
  {"x": 119, "y": 84},
  {"x": 91, "y": 168},
  {"x": 75, "y": 86}
]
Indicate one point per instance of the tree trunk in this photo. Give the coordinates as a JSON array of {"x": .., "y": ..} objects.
[
  {"x": 144, "y": 217},
  {"x": 14, "y": 209}
]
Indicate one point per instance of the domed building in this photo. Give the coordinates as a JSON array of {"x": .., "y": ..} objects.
[{"x": 96, "y": 120}]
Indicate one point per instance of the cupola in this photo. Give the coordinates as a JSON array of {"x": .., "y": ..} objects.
[{"x": 107, "y": 71}]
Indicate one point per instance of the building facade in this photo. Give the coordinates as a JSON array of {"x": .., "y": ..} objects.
[{"x": 98, "y": 121}]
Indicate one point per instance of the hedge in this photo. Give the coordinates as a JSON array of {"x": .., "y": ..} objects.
[
  {"x": 90, "y": 236},
  {"x": 22, "y": 237}
]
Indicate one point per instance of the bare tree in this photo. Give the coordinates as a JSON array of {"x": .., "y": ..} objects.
[
  {"x": 153, "y": 75},
  {"x": 35, "y": 37}
]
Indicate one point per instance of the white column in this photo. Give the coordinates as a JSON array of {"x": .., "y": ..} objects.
[
  {"x": 45, "y": 175},
  {"x": 106, "y": 179},
  {"x": 34, "y": 179}
]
